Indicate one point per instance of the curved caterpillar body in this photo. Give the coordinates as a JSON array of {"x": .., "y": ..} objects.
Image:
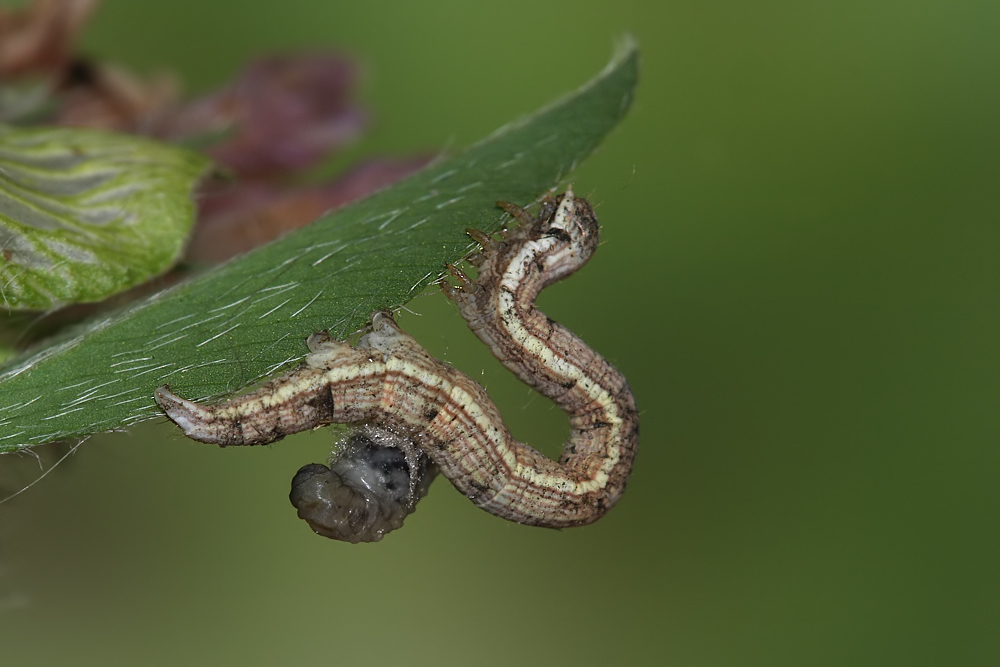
[
  {"x": 387, "y": 379},
  {"x": 372, "y": 484}
]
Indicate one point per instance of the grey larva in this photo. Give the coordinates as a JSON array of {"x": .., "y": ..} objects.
[{"x": 372, "y": 484}]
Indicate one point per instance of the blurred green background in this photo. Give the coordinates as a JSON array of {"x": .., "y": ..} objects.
[{"x": 799, "y": 278}]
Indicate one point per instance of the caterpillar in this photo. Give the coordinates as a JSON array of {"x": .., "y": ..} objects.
[{"x": 388, "y": 380}]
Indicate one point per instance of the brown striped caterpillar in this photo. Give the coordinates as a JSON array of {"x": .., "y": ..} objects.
[{"x": 389, "y": 380}]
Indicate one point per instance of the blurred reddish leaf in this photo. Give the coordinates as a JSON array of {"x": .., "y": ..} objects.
[
  {"x": 41, "y": 36},
  {"x": 289, "y": 112},
  {"x": 106, "y": 97}
]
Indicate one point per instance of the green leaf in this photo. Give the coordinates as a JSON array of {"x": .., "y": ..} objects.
[
  {"x": 249, "y": 318},
  {"x": 86, "y": 214}
]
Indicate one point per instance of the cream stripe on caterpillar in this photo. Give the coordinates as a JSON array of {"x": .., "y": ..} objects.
[
  {"x": 389, "y": 381},
  {"x": 499, "y": 307}
]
